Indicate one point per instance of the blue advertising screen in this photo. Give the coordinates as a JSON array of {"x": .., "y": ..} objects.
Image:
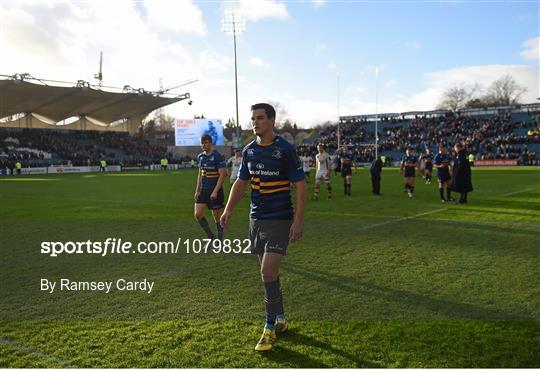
[{"x": 188, "y": 132}]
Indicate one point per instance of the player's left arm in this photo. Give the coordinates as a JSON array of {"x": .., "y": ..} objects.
[
  {"x": 221, "y": 179},
  {"x": 296, "y": 177},
  {"x": 297, "y": 227},
  {"x": 222, "y": 175}
]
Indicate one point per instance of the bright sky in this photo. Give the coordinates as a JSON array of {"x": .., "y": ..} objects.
[{"x": 291, "y": 52}]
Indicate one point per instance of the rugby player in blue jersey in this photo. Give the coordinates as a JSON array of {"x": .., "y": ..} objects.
[
  {"x": 346, "y": 161},
  {"x": 442, "y": 162},
  {"x": 427, "y": 158},
  {"x": 407, "y": 168},
  {"x": 269, "y": 166},
  {"x": 209, "y": 191}
]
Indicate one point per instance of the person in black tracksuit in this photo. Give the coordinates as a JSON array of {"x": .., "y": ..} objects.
[
  {"x": 461, "y": 174},
  {"x": 376, "y": 169}
]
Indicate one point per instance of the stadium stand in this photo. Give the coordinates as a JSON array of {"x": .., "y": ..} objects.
[
  {"x": 495, "y": 136},
  {"x": 489, "y": 136},
  {"x": 45, "y": 147}
]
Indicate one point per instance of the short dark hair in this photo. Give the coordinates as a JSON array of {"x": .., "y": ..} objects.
[
  {"x": 268, "y": 109},
  {"x": 206, "y": 138},
  {"x": 458, "y": 145}
]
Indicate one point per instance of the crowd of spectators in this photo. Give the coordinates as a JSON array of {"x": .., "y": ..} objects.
[
  {"x": 38, "y": 147},
  {"x": 353, "y": 134},
  {"x": 492, "y": 137}
]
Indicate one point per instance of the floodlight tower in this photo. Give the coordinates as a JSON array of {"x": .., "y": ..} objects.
[
  {"x": 99, "y": 76},
  {"x": 233, "y": 24},
  {"x": 338, "y": 116},
  {"x": 160, "y": 113}
]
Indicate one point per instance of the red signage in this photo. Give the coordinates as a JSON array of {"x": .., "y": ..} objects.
[{"x": 496, "y": 162}]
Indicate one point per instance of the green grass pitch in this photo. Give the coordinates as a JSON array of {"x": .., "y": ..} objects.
[{"x": 375, "y": 281}]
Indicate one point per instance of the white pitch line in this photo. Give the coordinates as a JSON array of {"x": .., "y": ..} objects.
[
  {"x": 34, "y": 351},
  {"x": 349, "y": 214},
  {"x": 517, "y": 192},
  {"x": 402, "y": 219}
]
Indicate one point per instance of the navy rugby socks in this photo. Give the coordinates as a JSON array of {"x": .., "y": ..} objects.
[
  {"x": 273, "y": 302},
  {"x": 204, "y": 224},
  {"x": 219, "y": 231}
]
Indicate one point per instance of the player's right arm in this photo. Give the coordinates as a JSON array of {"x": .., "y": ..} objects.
[{"x": 237, "y": 192}]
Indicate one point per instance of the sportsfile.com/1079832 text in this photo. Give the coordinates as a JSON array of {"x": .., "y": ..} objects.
[{"x": 112, "y": 246}]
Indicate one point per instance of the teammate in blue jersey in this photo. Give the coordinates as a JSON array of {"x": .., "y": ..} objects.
[
  {"x": 442, "y": 162},
  {"x": 427, "y": 158},
  {"x": 346, "y": 161},
  {"x": 270, "y": 165},
  {"x": 209, "y": 191},
  {"x": 407, "y": 168}
]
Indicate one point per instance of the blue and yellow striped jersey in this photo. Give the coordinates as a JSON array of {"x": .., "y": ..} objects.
[
  {"x": 409, "y": 160},
  {"x": 442, "y": 159},
  {"x": 346, "y": 161},
  {"x": 271, "y": 168},
  {"x": 427, "y": 157},
  {"x": 209, "y": 165}
]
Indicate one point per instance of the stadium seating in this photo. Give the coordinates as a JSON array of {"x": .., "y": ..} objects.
[
  {"x": 487, "y": 137},
  {"x": 39, "y": 147}
]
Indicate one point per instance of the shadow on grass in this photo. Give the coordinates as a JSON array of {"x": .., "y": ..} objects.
[
  {"x": 449, "y": 309},
  {"x": 292, "y": 336},
  {"x": 285, "y": 357}
]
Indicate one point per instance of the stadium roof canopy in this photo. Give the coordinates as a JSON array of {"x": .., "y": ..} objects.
[{"x": 59, "y": 103}]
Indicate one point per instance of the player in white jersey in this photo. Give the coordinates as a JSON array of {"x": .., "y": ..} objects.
[
  {"x": 235, "y": 162},
  {"x": 306, "y": 164},
  {"x": 323, "y": 165}
]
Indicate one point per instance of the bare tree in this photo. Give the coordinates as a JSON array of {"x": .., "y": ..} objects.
[
  {"x": 149, "y": 128},
  {"x": 457, "y": 97},
  {"x": 230, "y": 123},
  {"x": 286, "y": 125},
  {"x": 476, "y": 103},
  {"x": 166, "y": 123},
  {"x": 504, "y": 91},
  {"x": 283, "y": 119}
]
